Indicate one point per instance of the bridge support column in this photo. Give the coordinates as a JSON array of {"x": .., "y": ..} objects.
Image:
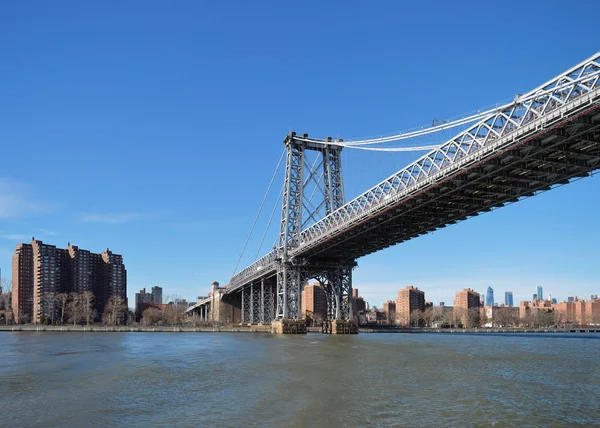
[
  {"x": 339, "y": 293},
  {"x": 246, "y": 306},
  {"x": 256, "y": 303},
  {"x": 289, "y": 290},
  {"x": 262, "y": 300},
  {"x": 268, "y": 303},
  {"x": 251, "y": 303}
]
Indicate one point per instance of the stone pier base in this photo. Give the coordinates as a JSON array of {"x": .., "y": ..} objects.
[
  {"x": 339, "y": 327},
  {"x": 288, "y": 327}
]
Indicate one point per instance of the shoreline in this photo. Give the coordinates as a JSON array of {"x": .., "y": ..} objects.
[{"x": 267, "y": 329}]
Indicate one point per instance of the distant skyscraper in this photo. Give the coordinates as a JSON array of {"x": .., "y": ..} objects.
[
  {"x": 540, "y": 293},
  {"x": 534, "y": 297},
  {"x": 508, "y": 298},
  {"x": 489, "y": 297},
  {"x": 570, "y": 299}
]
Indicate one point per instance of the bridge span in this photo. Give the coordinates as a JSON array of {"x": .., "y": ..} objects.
[{"x": 544, "y": 138}]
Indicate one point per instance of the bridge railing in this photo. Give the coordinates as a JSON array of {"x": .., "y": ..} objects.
[
  {"x": 534, "y": 108},
  {"x": 254, "y": 269}
]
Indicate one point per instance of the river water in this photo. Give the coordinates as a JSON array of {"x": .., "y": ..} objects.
[{"x": 228, "y": 379}]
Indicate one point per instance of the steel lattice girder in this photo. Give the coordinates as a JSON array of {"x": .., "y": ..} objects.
[
  {"x": 453, "y": 201},
  {"x": 541, "y": 108}
]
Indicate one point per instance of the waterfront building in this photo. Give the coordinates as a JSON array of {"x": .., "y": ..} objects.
[
  {"x": 466, "y": 306},
  {"x": 530, "y": 311},
  {"x": 41, "y": 271},
  {"x": 314, "y": 302},
  {"x": 540, "y": 293},
  {"x": 489, "y": 297},
  {"x": 566, "y": 312},
  {"x": 508, "y": 298},
  {"x": 409, "y": 299},
  {"x": 389, "y": 309}
]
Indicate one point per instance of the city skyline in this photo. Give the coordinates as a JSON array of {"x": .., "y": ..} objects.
[{"x": 150, "y": 190}]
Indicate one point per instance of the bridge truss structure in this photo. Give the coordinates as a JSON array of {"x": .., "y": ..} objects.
[{"x": 544, "y": 138}]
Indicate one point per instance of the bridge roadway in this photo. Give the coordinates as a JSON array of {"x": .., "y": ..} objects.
[{"x": 546, "y": 138}]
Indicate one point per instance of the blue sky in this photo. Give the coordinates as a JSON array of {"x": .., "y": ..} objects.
[{"x": 153, "y": 128}]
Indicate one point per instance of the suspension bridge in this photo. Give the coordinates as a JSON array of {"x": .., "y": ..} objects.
[{"x": 540, "y": 140}]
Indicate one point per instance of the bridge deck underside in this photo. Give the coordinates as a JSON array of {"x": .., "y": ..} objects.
[{"x": 568, "y": 151}]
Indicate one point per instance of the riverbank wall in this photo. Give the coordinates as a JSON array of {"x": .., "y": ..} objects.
[{"x": 267, "y": 329}]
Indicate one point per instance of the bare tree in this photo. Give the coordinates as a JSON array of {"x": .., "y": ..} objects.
[
  {"x": 428, "y": 316},
  {"x": 415, "y": 317},
  {"x": 449, "y": 318},
  {"x": 75, "y": 308},
  {"x": 545, "y": 318},
  {"x": 114, "y": 310},
  {"x": 151, "y": 316},
  {"x": 6, "y": 285},
  {"x": 87, "y": 307},
  {"x": 62, "y": 299},
  {"x": 473, "y": 318},
  {"x": 558, "y": 318},
  {"x": 6, "y": 294},
  {"x": 174, "y": 314},
  {"x": 503, "y": 318}
]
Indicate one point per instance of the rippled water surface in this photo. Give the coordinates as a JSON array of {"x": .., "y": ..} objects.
[{"x": 220, "y": 379}]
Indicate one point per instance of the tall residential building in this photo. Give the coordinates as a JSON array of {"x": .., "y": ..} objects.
[
  {"x": 389, "y": 309},
  {"x": 157, "y": 295},
  {"x": 466, "y": 301},
  {"x": 314, "y": 302},
  {"x": 540, "y": 293},
  {"x": 22, "y": 277},
  {"x": 41, "y": 271},
  {"x": 508, "y": 298},
  {"x": 489, "y": 297},
  {"x": 409, "y": 299}
]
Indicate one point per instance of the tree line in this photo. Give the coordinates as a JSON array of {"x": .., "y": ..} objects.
[
  {"x": 79, "y": 309},
  {"x": 474, "y": 317}
]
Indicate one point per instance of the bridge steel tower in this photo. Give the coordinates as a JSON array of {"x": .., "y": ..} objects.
[{"x": 297, "y": 210}]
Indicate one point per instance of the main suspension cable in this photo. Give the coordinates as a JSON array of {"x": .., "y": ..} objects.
[{"x": 259, "y": 211}]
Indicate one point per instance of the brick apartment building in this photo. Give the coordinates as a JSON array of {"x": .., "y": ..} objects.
[
  {"x": 41, "y": 271},
  {"x": 409, "y": 299},
  {"x": 582, "y": 312},
  {"x": 389, "y": 309},
  {"x": 466, "y": 301},
  {"x": 314, "y": 302}
]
